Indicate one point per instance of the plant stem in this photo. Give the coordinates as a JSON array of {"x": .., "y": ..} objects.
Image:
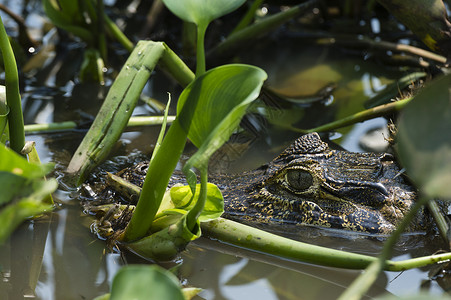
[
  {"x": 248, "y": 17},
  {"x": 364, "y": 115},
  {"x": 362, "y": 284},
  {"x": 157, "y": 179},
  {"x": 354, "y": 41},
  {"x": 200, "y": 54},
  {"x": 194, "y": 213},
  {"x": 255, "y": 239},
  {"x": 133, "y": 121},
  {"x": 117, "y": 33},
  {"x": 258, "y": 29},
  {"x": 172, "y": 64},
  {"x": 15, "y": 117},
  {"x": 101, "y": 31}
]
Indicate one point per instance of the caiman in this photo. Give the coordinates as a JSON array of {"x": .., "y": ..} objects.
[{"x": 310, "y": 183}]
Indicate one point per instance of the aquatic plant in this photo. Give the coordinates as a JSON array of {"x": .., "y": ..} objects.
[{"x": 28, "y": 193}]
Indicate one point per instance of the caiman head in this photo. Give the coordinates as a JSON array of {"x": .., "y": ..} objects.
[{"x": 309, "y": 183}]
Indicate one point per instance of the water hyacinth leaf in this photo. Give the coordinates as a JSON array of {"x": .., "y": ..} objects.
[
  {"x": 14, "y": 184},
  {"x": 214, "y": 206},
  {"x": 23, "y": 202},
  {"x": 223, "y": 95},
  {"x": 166, "y": 244},
  {"x": 424, "y": 138},
  {"x": 16, "y": 164},
  {"x": 146, "y": 283},
  {"x": 201, "y": 11}
]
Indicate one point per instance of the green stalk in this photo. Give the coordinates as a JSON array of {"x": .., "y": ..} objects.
[
  {"x": 440, "y": 220},
  {"x": 157, "y": 179},
  {"x": 15, "y": 117},
  {"x": 195, "y": 212},
  {"x": 36, "y": 128},
  {"x": 364, "y": 115},
  {"x": 363, "y": 283},
  {"x": 248, "y": 17},
  {"x": 117, "y": 33},
  {"x": 200, "y": 54},
  {"x": 255, "y": 239},
  {"x": 101, "y": 32},
  {"x": 133, "y": 121},
  {"x": 172, "y": 64},
  {"x": 258, "y": 29}
]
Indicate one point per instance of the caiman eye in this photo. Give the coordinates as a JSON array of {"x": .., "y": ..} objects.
[{"x": 299, "y": 179}]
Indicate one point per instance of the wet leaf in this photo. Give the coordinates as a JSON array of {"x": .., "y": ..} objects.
[
  {"x": 146, "y": 283},
  {"x": 16, "y": 164},
  {"x": 424, "y": 138},
  {"x": 27, "y": 192},
  {"x": 25, "y": 200},
  {"x": 223, "y": 95},
  {"x": 200, "y": 11},
  {"x": 214, "y": 207}
]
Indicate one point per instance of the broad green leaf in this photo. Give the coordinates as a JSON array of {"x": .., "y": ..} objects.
[
  {"x": 28, "y": 202},
  {"x": 143, "y": 282},
  {"x": 14, "y": 183},
  {"x": 214, "y": 207},
  {"x": 222, "y": 94},
  {"x": 201, "y": 11},
  {"x": 16, "y": 164},
  {"x": 424, "y": 138}
]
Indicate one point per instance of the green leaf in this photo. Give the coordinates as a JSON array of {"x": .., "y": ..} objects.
[
  {"x": 145, "y": 282},
  {"x": 14, "y": 184},
  {"x": 201, "y": 11},
  {"x": 16, "y": 164},
  {"x": 69, "y": 18},
  {"x": 27, "y": 200},
  {"x": 223, "y": 94},
  {"x": 214, "y": 207},
  {"x": 424, "y": 138}
]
